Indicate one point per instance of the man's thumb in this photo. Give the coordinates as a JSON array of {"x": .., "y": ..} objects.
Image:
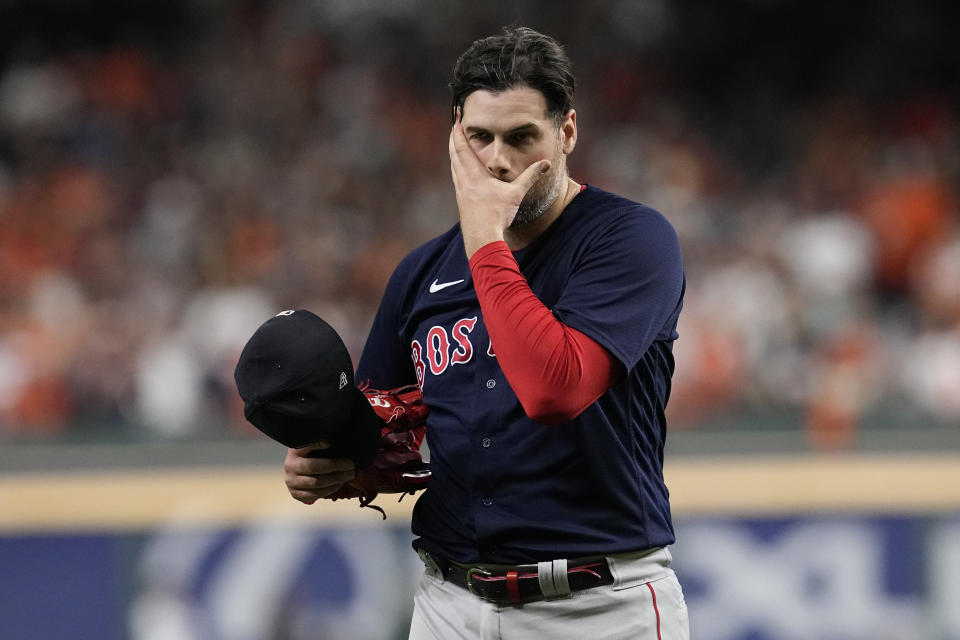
[{"x": 533, "y": 173}]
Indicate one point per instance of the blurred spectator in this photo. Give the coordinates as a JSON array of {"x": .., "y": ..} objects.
[
  {"x": 168, "y": 184},
  {"x": 931, "y": 372}
]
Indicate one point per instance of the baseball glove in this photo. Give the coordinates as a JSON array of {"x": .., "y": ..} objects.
[{"x": 397, "y": 466}]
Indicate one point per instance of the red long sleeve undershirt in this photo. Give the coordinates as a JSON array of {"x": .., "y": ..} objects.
[{"x": 555, "y": 370}]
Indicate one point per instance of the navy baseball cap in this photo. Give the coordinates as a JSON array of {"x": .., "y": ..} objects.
[{"x": 295, "y": 377}]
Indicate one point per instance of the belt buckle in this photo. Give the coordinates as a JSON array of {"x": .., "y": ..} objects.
[{"x": 470, "y": 573}]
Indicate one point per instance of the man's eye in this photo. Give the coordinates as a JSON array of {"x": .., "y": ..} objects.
[
  {"x": 521, "y": 138},
  {"x": 479, "y": 136}
]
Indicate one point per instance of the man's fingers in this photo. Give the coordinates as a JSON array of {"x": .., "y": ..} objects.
[
  {"x": 310, "y": 488},
  {"x": 456, "y": 167},
  {"x": 451, "y": 146},
  {"x": 462, "y": 155},
  {"x": 309, "y": 497},
  {"x": 319, "y": 466},
  {"x": 297, "y": 463},
  {"x": 319, "y": 445},
  {"x": 456, "y": 164},
  {"x": 304, "y": 497},
  {"x": 319, "y": 483}
]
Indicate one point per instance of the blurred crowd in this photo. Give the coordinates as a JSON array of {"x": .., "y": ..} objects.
[{"x": 165, "y": 189}]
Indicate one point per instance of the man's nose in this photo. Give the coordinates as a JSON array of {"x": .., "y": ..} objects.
[{"x": 498, "y": 162}]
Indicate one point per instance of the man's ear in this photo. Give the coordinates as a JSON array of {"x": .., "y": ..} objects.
[{"x": 568, "y": 132}]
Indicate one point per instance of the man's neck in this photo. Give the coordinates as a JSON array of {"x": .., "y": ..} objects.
[{"x": 519, "y": 237}]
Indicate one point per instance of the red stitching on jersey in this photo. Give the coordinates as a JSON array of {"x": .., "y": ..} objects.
[{"x": 655, "y": 609}]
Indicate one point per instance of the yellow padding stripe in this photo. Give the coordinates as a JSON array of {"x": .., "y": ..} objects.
[
  {"x": 881, "y": 484},
  {"x": 127, "y": 500},
  {"x": 189, "y": 497}
]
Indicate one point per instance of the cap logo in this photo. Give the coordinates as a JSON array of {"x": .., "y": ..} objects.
[
  {"x": 343, "y": 379},
  {"x": 288, "y": 312}
]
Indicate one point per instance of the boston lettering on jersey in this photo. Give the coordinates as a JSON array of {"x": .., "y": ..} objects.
[
  {"x": 508, "y": 489},
  {"x": 437, "y": 355}
]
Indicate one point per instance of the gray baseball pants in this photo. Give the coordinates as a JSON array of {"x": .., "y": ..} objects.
[{"x": 645, "y": 602}]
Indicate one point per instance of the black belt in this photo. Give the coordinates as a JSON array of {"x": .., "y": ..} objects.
[{"x": 504, "y": 585}]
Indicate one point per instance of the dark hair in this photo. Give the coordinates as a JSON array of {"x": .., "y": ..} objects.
[{"x": 518, "y": 57}]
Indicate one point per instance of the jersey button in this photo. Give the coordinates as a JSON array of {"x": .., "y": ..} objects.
[
  {"x": 486, "y": 442},
  {"x": 491, "y": 383},
  {"x": 486, "y": 501}
]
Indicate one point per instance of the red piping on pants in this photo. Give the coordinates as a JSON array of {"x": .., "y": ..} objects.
[{"x": 655, "y": 609}]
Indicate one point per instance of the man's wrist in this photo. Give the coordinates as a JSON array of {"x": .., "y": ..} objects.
[
  {"x": 473, "y": 242},
  {"x": 482, "y": 254}
]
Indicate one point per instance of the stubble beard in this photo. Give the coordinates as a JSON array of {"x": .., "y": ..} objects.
[{"x": 541, "y": 195}]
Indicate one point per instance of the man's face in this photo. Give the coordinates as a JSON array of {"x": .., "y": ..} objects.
[{"x": 511, "y": 130}]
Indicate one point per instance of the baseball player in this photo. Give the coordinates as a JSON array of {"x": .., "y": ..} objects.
[{"x": 539, "y": 330}]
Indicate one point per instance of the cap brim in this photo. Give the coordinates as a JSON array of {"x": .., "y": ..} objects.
[
  {"x": 290, "y": 431},
  {"x": 357, "y": 437},
  {"x": 361, "y": 439}
]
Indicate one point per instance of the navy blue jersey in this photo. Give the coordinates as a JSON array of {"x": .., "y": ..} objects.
[{"x": 504, "y": 488}]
